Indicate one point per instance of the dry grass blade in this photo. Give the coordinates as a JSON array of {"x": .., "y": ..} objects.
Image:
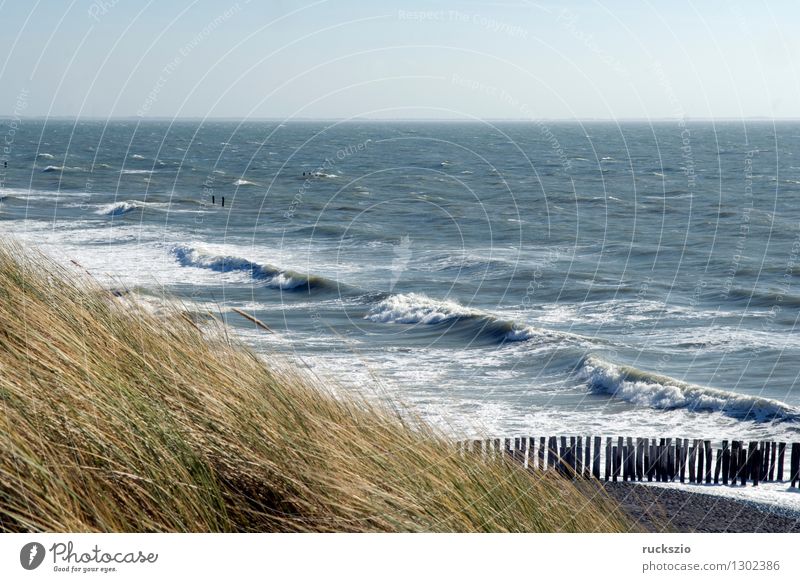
[{"x": 249, "y": 317}]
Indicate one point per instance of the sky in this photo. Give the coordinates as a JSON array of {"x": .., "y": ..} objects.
[{"x": 419, "y": 59}]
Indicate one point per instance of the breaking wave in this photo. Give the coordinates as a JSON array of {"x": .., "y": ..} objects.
[
  {"x": 416, "y": 308},
  {"x": 123, "y": 207},
  {"x": 662, "y": 392},
  {"x": 273, "y": 277}
]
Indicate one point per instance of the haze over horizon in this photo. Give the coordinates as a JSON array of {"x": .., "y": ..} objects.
[{"x": 435, "y": 59}]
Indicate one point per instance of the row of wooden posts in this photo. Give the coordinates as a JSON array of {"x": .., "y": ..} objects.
[{"x": 638, "y": 459}]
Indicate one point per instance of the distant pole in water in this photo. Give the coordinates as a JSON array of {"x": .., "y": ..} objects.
[
  {"x": 213, "y": 200},
  {"x": 223, "y": 201}
]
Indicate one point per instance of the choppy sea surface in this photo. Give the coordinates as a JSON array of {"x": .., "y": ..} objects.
[{"x": 498, "y": 278}]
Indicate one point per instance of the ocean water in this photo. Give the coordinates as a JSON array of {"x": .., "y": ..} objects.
[{"x": 498, "y": 278}]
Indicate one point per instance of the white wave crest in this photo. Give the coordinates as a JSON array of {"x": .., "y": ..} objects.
[
  {"x": 125, "y": 206},
  {"x": 273, "y": 277},
  {"x": 416, "y": 308},
  {"x": 662, "y": 392},
  {"x": 411, "y": 308}
]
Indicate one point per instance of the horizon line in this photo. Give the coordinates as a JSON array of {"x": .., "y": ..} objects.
[{"x": 396, "y": 119}]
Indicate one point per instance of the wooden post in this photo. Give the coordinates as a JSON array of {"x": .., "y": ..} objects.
[
  {"x": 701, "y": 464},
  {"x": 562, "y": 465},
  {"x": 707, "y": 446},
  {"x": 529, "y": 443},
  {"x": 751, "y": 454},
  {"x": 496, "y": 447},
  {"x": 587, "y": 457},
  {"x": 656, "y": 460},
  {"x": 781, "y": 457},
  {"x": 596, "y": 460},
  {"x": 661, "y": 460},
  {"x": 625, "y": 453},
  {"x": 700, "y": 461},
  {"x": 617, "y": 454},
  {"x": 630, "y": 463},
  {"x": 639, "y": 458},
  {"x": 794, "y": 464},
  {"x": 507, "y": 446},
  {"x": 670, "y": 461},
  {"x": 743, "y": 466},
  {"x": 726, "y": 463},
  {"x": 758, "y": 457},
  {"x": 718, "y": 466},
  {"x": 515, "y": 451},
  {"x": 614, "y": 469},
  {"x": 542, "y": 451},
  {"x": 678, "y": 448},
  {"x": 631, "y": 459},
  {"x": 552, "y": 452},
  {"x": 648, "y": 459},
  {"x": 773, "y": 449},
  {"x": 684, "y": 451},
  {"x": 608, "y": 458},
  {"x": 573, "y": 461},
  {"x": 734, "y": 472},
  {"x": 692, "y": 458}
]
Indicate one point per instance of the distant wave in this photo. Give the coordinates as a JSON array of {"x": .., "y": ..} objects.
[
  {"x": 137, "y": 157},
  {"x": 123, "y": 207},
  {"x": 45, "y": 156},
  {"x": 460, "y": 261},
  {"x": 274, "y": 277},
  {"x": 320, "y": 174},
  {"x": 416, "y": 308},
  {"x": 136, "y": 171},
  {"x": 763, "y": 297},
  {"x": 662, "y": 392},
  {"x": 63, "y": 169},
  {"x": 242, "y": 182}
]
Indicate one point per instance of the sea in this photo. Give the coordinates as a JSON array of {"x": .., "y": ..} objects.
[{"x": 495, "y": 278}]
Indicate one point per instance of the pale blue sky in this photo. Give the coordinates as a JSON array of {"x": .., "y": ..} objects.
[{"x": 516, "y": 59}]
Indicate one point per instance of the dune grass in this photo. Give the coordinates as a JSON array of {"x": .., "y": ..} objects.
[{"x": 115, "y": 419}]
